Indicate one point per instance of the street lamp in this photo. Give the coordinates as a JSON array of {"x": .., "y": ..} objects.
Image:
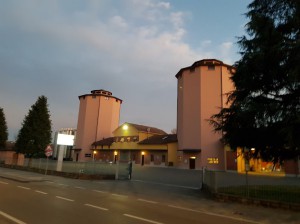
[
  {"x": 94, "y": 154},
  {"x": 116, "y": 156},
  {"x": 143, "y": 158}
]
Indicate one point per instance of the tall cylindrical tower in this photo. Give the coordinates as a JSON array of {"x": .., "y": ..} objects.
[
  {"x": 98, "y": 117},
  {"x": 201, "y": 92}
]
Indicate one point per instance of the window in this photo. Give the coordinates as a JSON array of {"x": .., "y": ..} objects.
[
  {"x": 163, "y": 158},
  {"x": 211, "y": 67},
  {"x": 94, "y": 97}
]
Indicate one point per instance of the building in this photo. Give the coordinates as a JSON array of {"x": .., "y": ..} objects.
[
  {"x": 201, "y": 92},
  {"x": 9, "y": 156},
  {"x": 139, "y": 143},
  {"x": 99, "y": 114}
]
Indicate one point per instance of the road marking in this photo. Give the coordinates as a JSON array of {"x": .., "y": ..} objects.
[
  {"x": 66, "y": 199},
  {"x": 120, "y": 195},
  {"x": 63, "y": 185},
  {"x": 142, "y": 219},
  {"x": 41, "y": 192},
  {"x": 26, "y": 188},
  {"x": 94, "y": 206},
  {"x": 12, "y": 218},
  {"x": 82, "y": 188},
  {"x": 103, "y": 192},
  {"x": 2, "y": 182},
  {"x": 143, "y": 200},
  {"x": 50, "y": 182},
  {"x": 213, "y": 214}
]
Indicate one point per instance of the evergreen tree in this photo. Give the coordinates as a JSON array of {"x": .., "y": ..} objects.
[
  {"x": 264, "y": 110},
  {"x": 35, "y": 133},
  {"x": 3, "y": 130}
]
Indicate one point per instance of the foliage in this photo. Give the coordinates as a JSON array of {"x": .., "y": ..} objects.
[
  {"x": 264, "y": 110},
  {"x": 3, "y": 129},
  {"x": 35, "y": 133}
]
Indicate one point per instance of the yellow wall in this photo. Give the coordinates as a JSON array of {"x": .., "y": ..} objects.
[{"x": 172, "y": 153}]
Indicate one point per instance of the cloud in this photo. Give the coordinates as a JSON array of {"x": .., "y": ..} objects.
[
  {"x": 63, "y": 49},
  {"x": 64, "y": 54},
  {"x": 118, "y": 21},
  {"x": 226, "y": 52}
]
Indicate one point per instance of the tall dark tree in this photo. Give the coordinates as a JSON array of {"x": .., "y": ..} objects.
[
  {"x": 264, "y": 110},
  {"x": 35, "y": 133},
  {"x": 3, "y": 129}
]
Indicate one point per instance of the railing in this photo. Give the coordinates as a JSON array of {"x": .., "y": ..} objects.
[
  {"x": 254, "y": 186},
  {"x": 119, "y": 169}
]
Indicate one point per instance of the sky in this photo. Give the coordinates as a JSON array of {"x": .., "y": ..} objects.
[{"x": 133, "y": 48}]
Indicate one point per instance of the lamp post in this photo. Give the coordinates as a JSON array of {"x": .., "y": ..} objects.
[
  {"x": 94, "y": 154},
  {"x": 143, "y": 158},
  {"x": 115, "y": 156},
  {"x": 116, "y": 161}
]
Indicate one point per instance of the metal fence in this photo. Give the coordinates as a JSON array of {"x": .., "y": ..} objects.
[
  {"x": 253, "y": 186},
  {"x": 119, "y": 169}
]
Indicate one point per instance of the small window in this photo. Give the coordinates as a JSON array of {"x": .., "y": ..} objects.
[
  {"x": 211, "y": 67},
  {"x": 94, "y": 97}
]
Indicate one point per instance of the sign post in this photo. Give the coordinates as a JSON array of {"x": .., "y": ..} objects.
[{"x": 48, "y": 152}]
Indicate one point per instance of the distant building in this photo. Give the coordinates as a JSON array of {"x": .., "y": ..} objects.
[
  {"x": 64, "y": 141},
  {"x": 99, "y": 114},
  {"x": 139, "y": 143},
  {"x": 9, "y": 156},
  {"x": 201, "y": 92}
]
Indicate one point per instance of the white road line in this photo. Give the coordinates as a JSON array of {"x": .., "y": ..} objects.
[
  {"x": 214, "y": 214},
  {"x": 103, "y": 192},
  {"x": 66, "y": 199},
  {"x": 142, "y": 219},
  {"x": 94, "y": 206},
  {"x": 120, "y": 195},
  {"x": 63, "y": 185},
  {"x": 2, "y": 182},
  {"x": 26, "y": 188},
  {"x": 12, "y": 218},
  {"x": 41, "y": 192},
  {"x": 143, "y": 200},
  {"x": 82, "y": 188},
  {"x": 49, "y": 182}
]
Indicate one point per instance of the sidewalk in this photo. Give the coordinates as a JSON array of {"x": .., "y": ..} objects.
[{"x": 22, "y": 176}]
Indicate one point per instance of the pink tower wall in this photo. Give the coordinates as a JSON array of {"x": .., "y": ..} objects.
[{"x": 98, "y": 116}]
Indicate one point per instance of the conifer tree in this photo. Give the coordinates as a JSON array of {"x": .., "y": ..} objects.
[
  {"x": 264, "y": 110},
  {"x": 3, "y": 130},
  {"x": 35, "y": 133}
]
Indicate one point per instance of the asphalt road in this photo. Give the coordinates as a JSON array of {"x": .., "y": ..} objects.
[{"x": 60, "y": 200}]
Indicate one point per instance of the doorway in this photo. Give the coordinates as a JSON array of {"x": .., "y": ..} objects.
[{"x": 192, "y": 162}]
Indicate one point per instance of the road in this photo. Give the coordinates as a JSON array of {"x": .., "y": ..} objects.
[{"x": 61, "y": 200}]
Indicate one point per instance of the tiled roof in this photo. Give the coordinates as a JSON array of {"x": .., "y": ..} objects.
[
  {"x": 105, "y": 141},
  {"x": 159, "y": 139},
  {"x": 148, "y": 129}
]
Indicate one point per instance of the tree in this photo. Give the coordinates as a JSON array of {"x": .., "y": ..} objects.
[
  {"x": 35, "y": 134},
  {"x": 3, "y": 130},
  {"x": 264, "y": 111}
]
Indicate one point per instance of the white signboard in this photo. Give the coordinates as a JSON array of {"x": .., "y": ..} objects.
[{"x": 63, "y": 139}]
